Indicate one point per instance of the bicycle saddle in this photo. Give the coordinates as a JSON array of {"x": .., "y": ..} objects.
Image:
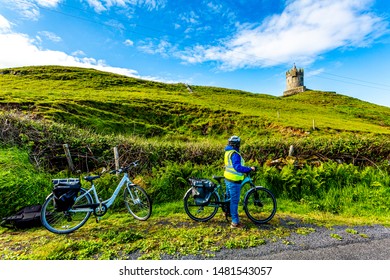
[{"x": 91, "y": 178}]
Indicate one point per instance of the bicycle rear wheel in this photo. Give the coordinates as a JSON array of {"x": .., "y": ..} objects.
[
  {"x": 62, "y": 222},
  {"x": 200, "y": 213},
  {"x": 260, "y": 205},
  {"x": 137, "y": 202}
]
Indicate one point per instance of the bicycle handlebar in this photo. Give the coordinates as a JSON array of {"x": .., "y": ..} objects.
[{"x": 125, "y": 169}]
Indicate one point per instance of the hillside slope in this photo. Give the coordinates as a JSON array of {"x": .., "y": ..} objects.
[
  {"x": 110, "y": 103},
  {"x": 340, "y": 165}
]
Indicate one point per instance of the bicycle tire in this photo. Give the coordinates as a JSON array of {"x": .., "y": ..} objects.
[
  {"x": 200, "y": 213},
  {"x": 137, "y": 202},
  {"x": 64, "y": 222},
  {"x": 260, "y": 205}
]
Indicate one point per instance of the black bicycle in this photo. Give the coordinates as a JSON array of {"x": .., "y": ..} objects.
[{"x": 202, "y": 200}]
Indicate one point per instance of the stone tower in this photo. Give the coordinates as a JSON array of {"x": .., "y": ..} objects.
[{"x": 294, "y": 80}]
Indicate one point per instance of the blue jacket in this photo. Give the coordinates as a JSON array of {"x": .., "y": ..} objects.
[{"x": 236, "y": 160}]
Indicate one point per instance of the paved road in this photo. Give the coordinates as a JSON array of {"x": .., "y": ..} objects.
[
  {"x": 371, "y": 250},
  {"x": 366, "y": 243},
  {"x": 319, "y": 243}
]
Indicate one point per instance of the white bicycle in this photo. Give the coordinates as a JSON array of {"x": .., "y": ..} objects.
[{"x": 87, "y": 202}]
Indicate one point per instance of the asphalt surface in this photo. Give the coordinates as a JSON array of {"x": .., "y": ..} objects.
[
  {"x": 371, "y": 250},
  {"x": 337, "y": 243},
  {"x": 371, "y": 242},
  {"x": 317, "y": 243}
]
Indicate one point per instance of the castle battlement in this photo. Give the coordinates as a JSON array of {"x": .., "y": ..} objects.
[{"x": 295, "y": 71}]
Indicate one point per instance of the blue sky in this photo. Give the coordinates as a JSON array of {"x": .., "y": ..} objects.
[{"x": 343, "y": 45}]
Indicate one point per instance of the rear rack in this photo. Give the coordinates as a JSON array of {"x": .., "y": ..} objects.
[{"x": 66, "y": 180}]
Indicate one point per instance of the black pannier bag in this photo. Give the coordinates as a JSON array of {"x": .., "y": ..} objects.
[
  {"x": 65, "y": 192},
  {"x": 27, "y": 217},
  {"x": 201, "y": 190}
]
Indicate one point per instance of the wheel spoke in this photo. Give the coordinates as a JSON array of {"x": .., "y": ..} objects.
[
  {"x": 64, "y": 221},
  {"x": 260, "y": 205},
  {"x": 138, "y": 202},
  {"x": 200, "y": 213}
]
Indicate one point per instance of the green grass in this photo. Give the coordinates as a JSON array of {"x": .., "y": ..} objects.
[
  {"x": 111, "y": 103},
  {"x": 169, "y": 232},
  {"x": 21, "y": 184},
  {"x": 339, "y": 173}
]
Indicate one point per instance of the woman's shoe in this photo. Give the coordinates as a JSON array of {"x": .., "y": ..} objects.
[{"x": 239, "y": 225}]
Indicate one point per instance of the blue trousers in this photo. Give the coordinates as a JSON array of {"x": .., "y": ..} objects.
[{"x": 233, "y": 191}]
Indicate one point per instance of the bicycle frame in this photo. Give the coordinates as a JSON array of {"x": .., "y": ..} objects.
[
  {"x": 93, "y": 193},
  {"x": 246, "y": 180},
  {"x": 218, "y": 191}
]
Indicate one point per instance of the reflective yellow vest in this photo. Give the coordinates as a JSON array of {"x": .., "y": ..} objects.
[{"x": 230, "y": 173}]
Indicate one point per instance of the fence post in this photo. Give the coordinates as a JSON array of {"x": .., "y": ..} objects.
[
  {"x": 314, "y": 124},
  {"x": 291, "y": 151},
  {"x": 116, "y": 156},
  {"x": 68, "y": 156},
  {"x": 188, "y": 88}
]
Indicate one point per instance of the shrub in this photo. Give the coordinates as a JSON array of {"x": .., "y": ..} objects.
[
  {"x": 170, "y": 182},
  {"x": 21, "y": 184}
]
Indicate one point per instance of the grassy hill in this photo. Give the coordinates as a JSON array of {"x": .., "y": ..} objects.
[
  {"x": 110, "y": 103},
  {"x": 339, "y": 171},
  {"x": 45, "y": 107}
]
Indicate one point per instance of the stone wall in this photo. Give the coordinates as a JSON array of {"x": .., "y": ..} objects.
[{"x": 294, "y": 91}]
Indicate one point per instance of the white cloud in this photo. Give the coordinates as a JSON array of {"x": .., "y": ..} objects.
[
  {"x": 161, "y": 47},
  {"x": 128, "y": 43},
  {"x": 302, "y": 32},
  {"x": 215, "y": 8},
  {"x": 315, "y": 72},
  {"x": 104, "y": 5},
  {"x": 190, "y": 17},
  {"x": 26, "y": 8},
  {"x": 97, "y": 5},
  {"x": 115, "y": 24},
  {"x": 5, "y": 25},
  {"x": 152, "y": 4},
  {"x": 17, "y": 49},
  {"x": 29, "y": 9},
  {"x": 78, "y": 53},
  {"x": 49, "y": 3},
  {"x": 51, "y": 36}
]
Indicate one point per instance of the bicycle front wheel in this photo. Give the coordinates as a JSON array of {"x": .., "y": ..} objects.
[
  {"x": 260, "y": 205},
  {"x": 200, "y": 213},
  {"x": 138, "y": 202},
  {"x": 62, "y": 222}
]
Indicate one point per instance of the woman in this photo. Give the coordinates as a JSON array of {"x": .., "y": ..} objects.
[{"x": 234, "y": 174}]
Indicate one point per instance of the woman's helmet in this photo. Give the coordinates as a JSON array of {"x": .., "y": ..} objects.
[{"x": 234, "y": 141}]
